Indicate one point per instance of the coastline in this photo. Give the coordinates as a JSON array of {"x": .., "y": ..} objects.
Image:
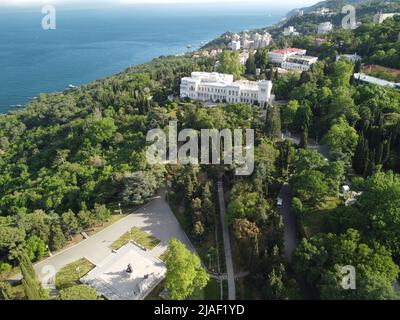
[{"x": 120, "y": 66}]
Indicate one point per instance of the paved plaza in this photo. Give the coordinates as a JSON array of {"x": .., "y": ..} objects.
[
  {"x": 155, "y": 218},
  {"x": 112, "y": 280}
]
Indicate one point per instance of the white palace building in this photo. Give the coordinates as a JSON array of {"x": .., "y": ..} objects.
[{"x": 217, "y": 87}]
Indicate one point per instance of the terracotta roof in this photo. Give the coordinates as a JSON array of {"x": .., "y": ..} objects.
[{"x": 288, "y": 50}]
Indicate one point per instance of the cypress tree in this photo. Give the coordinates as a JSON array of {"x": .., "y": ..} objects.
[
  {"x": 379, "y": 153},
  {"x": 358, "y": 159},
  {"x": 371, "y": 164},
  {"x": 273, "y": 122},
  {"x": 251, "y": 65},
  {"x": 357, "y": 67},
  {"x": 388, "y": 146},
  {"x": 304, "y": 139},
  {"x": 30, "y": 283}
]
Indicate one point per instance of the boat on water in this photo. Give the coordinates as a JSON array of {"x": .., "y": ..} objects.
[
  {"x": 189, "y": 46},
  {"x": 71, "y": 86}
]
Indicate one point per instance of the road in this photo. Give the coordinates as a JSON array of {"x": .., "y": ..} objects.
[
  {"x": 155, "y": 218},
  {"x": 227, "y": 244},
  {"x": 289, "y": 221},
  {"x": 322, "y": 149}
]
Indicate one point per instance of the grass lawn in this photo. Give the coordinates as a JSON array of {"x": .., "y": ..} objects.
[
  {"x": 314, "y": 220},
  {"x": 70, "y": 274},
  {"x": 137, "y": 235},
  {"x": 381, "y": 72},
  {"x": 163, "y": 256}
]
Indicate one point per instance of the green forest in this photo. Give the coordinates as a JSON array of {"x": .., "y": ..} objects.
[{"x": 69, "y": 159}]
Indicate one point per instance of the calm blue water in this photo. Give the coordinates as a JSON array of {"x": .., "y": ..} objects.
[{"x": 92, "y": 43}]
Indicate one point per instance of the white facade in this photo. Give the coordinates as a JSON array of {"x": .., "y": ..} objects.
[
  {"x": 247, "y": 44},
  {"x": 322, "y": 11},
  {"x": 262, "y": 41},
  {"x": 235, "y": 45},
  {"x": 380, "y": 17},
  {"x": 290, "y": 31},
  {"x": 280, "y": 56},
  {"x": 299, "y": 63},
  {"x": 325, "y": 27},
  {"x": 235, "y": 37},
  {"x": 351, "y": 57},
  {"x": 247, "y": 41},
  {"x": 215, "y": 87},
  {"x": 377, "y": 81},
  {"x": 244, "y": 56}
]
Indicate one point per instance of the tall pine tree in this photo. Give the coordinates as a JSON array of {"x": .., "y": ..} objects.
[{"x": 30, "y": 283}]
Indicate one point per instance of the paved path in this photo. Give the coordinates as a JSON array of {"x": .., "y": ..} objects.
[
  {"x": 322, "y": 149},
  {"x": 289, "y": 221},
  {"x": 227, "y": 244},
  {"x": 225, "y": 276},
  {"x": 155, "y": 218}
]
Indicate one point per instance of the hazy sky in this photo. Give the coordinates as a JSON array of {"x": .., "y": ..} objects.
[{"x": 272, "y": 3}]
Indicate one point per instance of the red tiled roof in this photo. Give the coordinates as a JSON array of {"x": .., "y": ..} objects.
[{"x": 287, "y": 50}]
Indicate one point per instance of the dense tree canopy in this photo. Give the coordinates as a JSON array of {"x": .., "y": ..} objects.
[
  {"x": 185, "y": 274},
  {"x": 321, "y": 259}
]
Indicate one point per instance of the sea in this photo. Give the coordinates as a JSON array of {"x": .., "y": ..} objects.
[{"x": 92, "y": 43}]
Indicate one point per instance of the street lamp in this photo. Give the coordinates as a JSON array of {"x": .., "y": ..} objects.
[
  {"x": 209, "y": 261},
  {"x": 48, "y": 249},
  {"x": 119, "y": 206}
]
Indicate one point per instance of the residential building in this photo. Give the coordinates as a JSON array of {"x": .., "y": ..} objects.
[
  {"x": 247, "y": 44},
  {"x": 380, "y": 17},
  {"x": 281, "y": 71},
  {"x": 244, "y": 56},
  {"x": 290, "y": 31},
  {"x": 322, "y": 11},
  {"x": 235, "y": 37},
  {"x": 235, "y": 45},
  {"x": 261, "y": 41},
  {"x": 380, "y": 82},
  {"x": 351, "y": 57},
  {"x": 299, "y": 62},
  {"x": 325, "y": 27},
  {"x": 213, "y": 53},
  {"x": 247, "y": 41},
  {"x": 215, "y": 87},
  {"x": 319, "y": 42},
  {"x": 280, "y": 56}
]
